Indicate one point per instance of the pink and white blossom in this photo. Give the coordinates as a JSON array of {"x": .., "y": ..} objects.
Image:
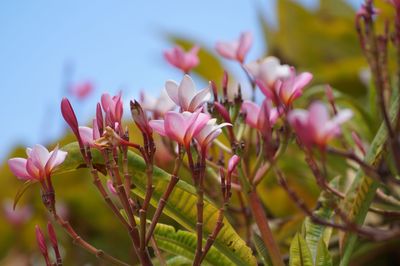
[
  {"x": 256, "y": 117},
  {"x": 16, "y": 216},
  {"x": 39, "y": 164},
  {"x": 237, "y": 49},
  {"x": 186, "y": 95},
  {"x": 180, "y": 127},
  {"x": 113, "y": 107},
  {"x": 185, "y": 61},
  {"x": 267, "y": 71},
  {"x": 233, "y": 163},
  {"x": 89, "y": 135},
  {"x": 209, "y": 132},
  {"x": 314, "y": 127},
  {"x": 291, "y": 88},
  {"x": 159, "y": 106}
]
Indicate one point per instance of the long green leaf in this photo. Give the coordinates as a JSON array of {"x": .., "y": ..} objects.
[
  {"x": 300, "y": 255},
  {"x": 181, "y": 205},
  {"x": 314, "y": 233},
  {"x": 363, "y": 188},
  {"x": 323, "y": 257},
  {"x": 183, "y": 243},
  {"x": 262, "y": 249}
]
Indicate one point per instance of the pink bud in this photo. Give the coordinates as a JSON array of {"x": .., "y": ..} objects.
[
  {"x": 111, "y": 187},
  {"x": 52, "y": 235},
  {"x": 223, "y": 112},
  {"x": 70, "y": 117},
  {"x": 140, "y": 118},
  {"x": 233, "y": 163},
  {"x": 99, "y": 119},
  {"x": 225, "y": 81},
  {"x": 214, "y": 89},
  {"x": 41, "y": 241}
]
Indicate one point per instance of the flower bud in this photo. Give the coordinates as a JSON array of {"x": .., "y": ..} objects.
[{"x": 140, "y": 118}]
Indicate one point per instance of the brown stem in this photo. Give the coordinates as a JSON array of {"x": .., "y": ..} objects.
[
  {"x": 85, "y": 245},
  {"x": 164, "y": 198},
  {"x": 266, "y": 234},
  {"x": 198, "y": 177},
  {"x": 346, "y": 227},
  {"x": 113, "y": 170},
  {"x": 157, "y": 251}
]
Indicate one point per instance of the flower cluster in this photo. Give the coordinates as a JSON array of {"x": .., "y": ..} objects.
[{"x": 200, "y": 129}]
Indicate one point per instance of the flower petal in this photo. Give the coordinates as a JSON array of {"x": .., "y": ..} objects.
[
  {"x": 252, "y": 112},
  {"x": 186, "y": 92},
  {"x": 227, "y": 49},
  {"x": 199, "y": 99},
  {"x": 245, "y": 41},
  {"x": 158, "y": 126},
  {"x": 18, "y": 168},
  {"x": 172, "y": 89},
  {"x": 86, "y": 134},
  {"x": 175, "y": 126}
]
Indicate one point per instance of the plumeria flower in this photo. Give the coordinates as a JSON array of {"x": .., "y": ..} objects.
[
  {"x": 185, "y": 61},
  {"x": 267, "y": 71},
  {"x": 291, "y": 88},
  {"x": 158, "y": 106},
  {"x": 186, "y": 95},
  {"x": 82, "y": 90},
  {"x": 89, "y": 135},
  {"x": 235, "y": 50},
  {"x": 113, "y": 108},
  {"x": 256, "y": 116},
  {"x": 16, "y": 216},
  {"x": 209, "y": 132},
  {"x": 39, "y": 164},
  {"x": 314, "y": 127},
  {"x": 180, "y": 127}
]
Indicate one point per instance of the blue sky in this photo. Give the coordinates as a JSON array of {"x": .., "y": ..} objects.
[{"x": 116, "y": 44}]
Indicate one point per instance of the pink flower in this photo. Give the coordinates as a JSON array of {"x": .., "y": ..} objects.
[
  {"x": 209, "y": 132},
  {"x": 180, "y": 127},
  {"x": 314, "y": 127},
  {"x": 89, "y": 135},
  {"x": 186, "y": 95},
  {"x": 17, "y": 216},
  {"x": 233, "y": 163},
  {"x": 235, "y": 50},
  {"x": 113, "y": 108},
  {"x": 292, "y": 88},
  {"x": 256, "y": 116},
  {"x": 82, "y": 90},
  {"x": 39, "y": 164},
  {"x": 159, "y": 106},
  {"x": 111, "y": 188},
  {"x": 267, "y": 71},
  {"x": 185, "y": 61}
]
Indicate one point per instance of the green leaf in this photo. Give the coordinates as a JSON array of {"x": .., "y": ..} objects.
[
  {"x": 181, "y": 205},
  {"x": 300, "y": 255},
  {"x": 363, "y": 188},
  {"x": 262, "y": 249},
  {"x": 315, "y": 233},
  {"x": 178, "y": 261},
  {"x": 183, "y": 243},
  {"x": 323, "y": 257}
]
